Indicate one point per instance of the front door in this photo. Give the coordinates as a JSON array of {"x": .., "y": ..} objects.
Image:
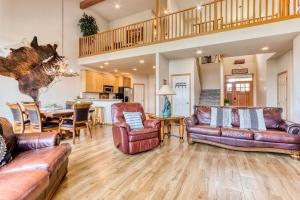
[
  {"x": 139, "y": 94},
  {"x": 282, "y": 93},
  {"x": 181, "y": 101},
  {"x": 239, "y": 92}
]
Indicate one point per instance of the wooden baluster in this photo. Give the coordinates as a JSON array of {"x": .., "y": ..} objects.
[
  {"x": 260, "y": 9},
  {"x": 221, "y": 13},
  {"x": 248, "y": 10},
  {"x": 205, "y": 18},
  {"x": 237, "y": 13},
  {"x": 231, "y": 13},
  {"x": 210, "y": 20},
  {"x": 254, "y": 10},
  {"x": 273, "y": 8},
  {"x": 242, "y": 11},
  {"x": 215, "y": 15},
  {"x": 201, "y": 20},
  {"x": 267, "y": 9},
  {"x": 226, "y": 13}
]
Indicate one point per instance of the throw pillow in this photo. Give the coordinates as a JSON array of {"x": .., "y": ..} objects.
[
  {"x": 5, "y": 156},
  {"x": 134, "y": 120},
  {"x": 221, "y": 117},
  {"x": 252, "y": 119}
]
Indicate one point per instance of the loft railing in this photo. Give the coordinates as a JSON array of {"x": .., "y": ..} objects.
[{"x": 217, "y": 16}]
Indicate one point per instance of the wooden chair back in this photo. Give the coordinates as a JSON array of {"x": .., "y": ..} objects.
[
  {"x": 34, "y": 115},
  {"x": 81, "y": 112},
  {"x": 69, "y": 104}
]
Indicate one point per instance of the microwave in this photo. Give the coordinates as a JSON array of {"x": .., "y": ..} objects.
[{"x": 108, "y": 89}]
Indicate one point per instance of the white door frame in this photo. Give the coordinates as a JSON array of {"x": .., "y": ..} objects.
[
  {"x": 287, "y": 92},
  {"x": 190, "y": 102},
  {"x": 140, "y": 84}
]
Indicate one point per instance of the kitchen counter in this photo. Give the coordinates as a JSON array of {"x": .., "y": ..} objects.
[{"x": 106, "y": 103}]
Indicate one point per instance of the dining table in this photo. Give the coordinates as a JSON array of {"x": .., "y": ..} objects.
[{"x": 59, "y": 113}]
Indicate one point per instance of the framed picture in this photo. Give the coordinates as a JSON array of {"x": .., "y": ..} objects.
[{"x": 240, "y": 71}]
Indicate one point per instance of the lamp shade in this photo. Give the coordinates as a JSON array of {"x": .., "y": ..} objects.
[{"x": 166, "y": 90}]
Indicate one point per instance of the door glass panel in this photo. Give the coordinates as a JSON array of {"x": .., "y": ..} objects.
[{"x": 229, "y": 87}]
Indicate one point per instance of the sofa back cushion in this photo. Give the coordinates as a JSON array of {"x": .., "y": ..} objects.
[
  {"x": 203, "y": 114},
  {"x": 273, "y": 118}
]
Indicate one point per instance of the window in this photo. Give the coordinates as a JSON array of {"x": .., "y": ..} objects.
[
  {"x": 229, "y": 87},
  {"x": 243, "y": 87}
]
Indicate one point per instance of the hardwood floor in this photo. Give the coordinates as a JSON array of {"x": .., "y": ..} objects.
[{"x": 175, "y": 171}]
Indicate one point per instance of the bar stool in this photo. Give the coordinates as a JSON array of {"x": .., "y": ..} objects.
[{"x": 98, "y": 115}]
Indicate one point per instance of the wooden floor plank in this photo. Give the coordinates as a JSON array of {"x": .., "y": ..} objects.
[{"x": 97, "y": 170}]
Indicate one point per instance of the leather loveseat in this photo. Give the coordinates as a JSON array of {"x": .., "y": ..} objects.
[
  {"x": 280, "y": 136},
  {"x": 133, "y": 141},
  {"x": 39, "y": 164}
]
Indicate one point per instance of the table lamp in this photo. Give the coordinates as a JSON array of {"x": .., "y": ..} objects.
[{"x": 166, "y": 90}]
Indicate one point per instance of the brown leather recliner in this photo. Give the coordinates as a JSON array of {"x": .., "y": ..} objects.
[
  {"x": 280, "y": 137},
  {"x": 133, "y": 141},
  {"x": 39, "y": 164}
]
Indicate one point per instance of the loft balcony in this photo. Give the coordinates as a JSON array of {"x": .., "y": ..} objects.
[{"x": 213, "y": 17}]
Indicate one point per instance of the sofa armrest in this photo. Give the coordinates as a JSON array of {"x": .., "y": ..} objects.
[
  {"x": 122, "y": 125},
  {"x": 190, "y": 121},
  {"x": 155, "y": 123},
  {"x": 293, "y": 128},
  {"x": 33, "y": 141}
]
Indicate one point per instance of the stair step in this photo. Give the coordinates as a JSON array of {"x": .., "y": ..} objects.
[{"x": 210, "y": 97}]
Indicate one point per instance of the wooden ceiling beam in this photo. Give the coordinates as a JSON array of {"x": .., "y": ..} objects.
[{"x": 88, "y": 3}]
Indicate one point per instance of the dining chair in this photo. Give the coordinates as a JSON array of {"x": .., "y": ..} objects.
[
  {"x": 79, "y": 121},
  {"x": 20, "y": 123},
  {"x": 69, "y": 104},
  {"x": 37, "y": 123}
]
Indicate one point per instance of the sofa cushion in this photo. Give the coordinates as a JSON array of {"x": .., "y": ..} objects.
[
  {"x": 252, "y": 118},
  {"x": 23, "y": 185},
  {"x": 203, "y": 114},
  {"x": 273, "y": 118},
  {"x": 142, "y": 134},
  {"x": 221, "y": 117},
  {"x": 276, "y": 136},
  {"x": 237, "y": 133},
  {"x": 41, "y": 159},
  {"x": 205, "y": 130},
  {"x": 134, "y": 119}
]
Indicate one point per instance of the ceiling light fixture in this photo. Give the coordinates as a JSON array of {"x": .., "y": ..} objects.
[
  {"x": 106, "y": 63},
  {"x": 117, "y": 6},
  {"x": 166, "y": 11},
  {"x": 116, "y": 70},
  {"x": 134, "y": 69},
  {"x": 265, "y": 48},
  {"x": 101, "y": 67},
  {"x": 142, "y": 61},
  {"x": 154, "y": 67},
  {"x": 199, "y": 7},
  {"x": 199, "y": 52}
]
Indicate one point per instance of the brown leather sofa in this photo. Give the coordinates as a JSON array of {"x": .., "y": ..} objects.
[
  {"x": 39, "y": 164},
  {"x": 280, "y": 136},
  {"x": 133, "y": 141}
]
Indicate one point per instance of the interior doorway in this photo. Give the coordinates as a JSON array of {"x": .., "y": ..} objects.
[
  {"x": 182, "y": 99},
  {"x": 282, "y": 93},
  {"x": 239, "y": 90},
  {"x": 139, "y": 94}
]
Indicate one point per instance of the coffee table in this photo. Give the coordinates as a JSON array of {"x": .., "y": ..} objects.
[{"x": 172, "y": 118}]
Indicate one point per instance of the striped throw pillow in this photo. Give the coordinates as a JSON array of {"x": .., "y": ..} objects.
[
  {"x": 134, "y": 120},
  {"x": 252, "y": 119},
  {"x": 220, "y": 117}
]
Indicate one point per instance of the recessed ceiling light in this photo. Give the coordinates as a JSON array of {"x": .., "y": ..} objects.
[
  {"x": 199, "y": 52},
  {"x": 142, "y": 61},
  {"x": 134, "y": 69},
  {"x": 126, "y": 73},
  {"x": 199, "y": 7},
  {"x": 166, "y": 11},
  {"x": 154, "y": 67},
  {"x": 106, "y": 63},
  {"x": 117, "y": 6},
  {"x": 265, "y": 48},
  {"x": 101, "y": 67},
  {"x": 116, "y": 70}
]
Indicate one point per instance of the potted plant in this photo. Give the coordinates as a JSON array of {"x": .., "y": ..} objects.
[
  {"x": 226, "y": 102},
  {"x": 88, "y": 25}
]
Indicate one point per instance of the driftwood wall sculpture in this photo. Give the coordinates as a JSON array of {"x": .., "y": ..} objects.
[{"x": 27, "y": 65}]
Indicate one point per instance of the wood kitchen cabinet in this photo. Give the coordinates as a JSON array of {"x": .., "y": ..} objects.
[{"x": 94, "y": 81}]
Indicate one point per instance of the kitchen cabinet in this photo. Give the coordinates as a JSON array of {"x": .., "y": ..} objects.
[{"x": 94, "y": 81}]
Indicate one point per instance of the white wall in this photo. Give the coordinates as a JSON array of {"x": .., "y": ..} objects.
[
  {"x": 210, "y": 76},
  {"x": 131, "y": 19},
  {"x": 24, "y": 19},
  {"x": 296, "y": 81},
  {"x": 161, "y": 73},
  {"x": 262, "y": 74},
  {"x": 187, "y": 66}
]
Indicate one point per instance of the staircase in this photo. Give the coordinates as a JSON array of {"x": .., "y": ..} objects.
[{"x": 210, "y": 98}]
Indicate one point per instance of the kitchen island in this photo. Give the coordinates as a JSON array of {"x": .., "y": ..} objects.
[{"x": 106, "y": 103}]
